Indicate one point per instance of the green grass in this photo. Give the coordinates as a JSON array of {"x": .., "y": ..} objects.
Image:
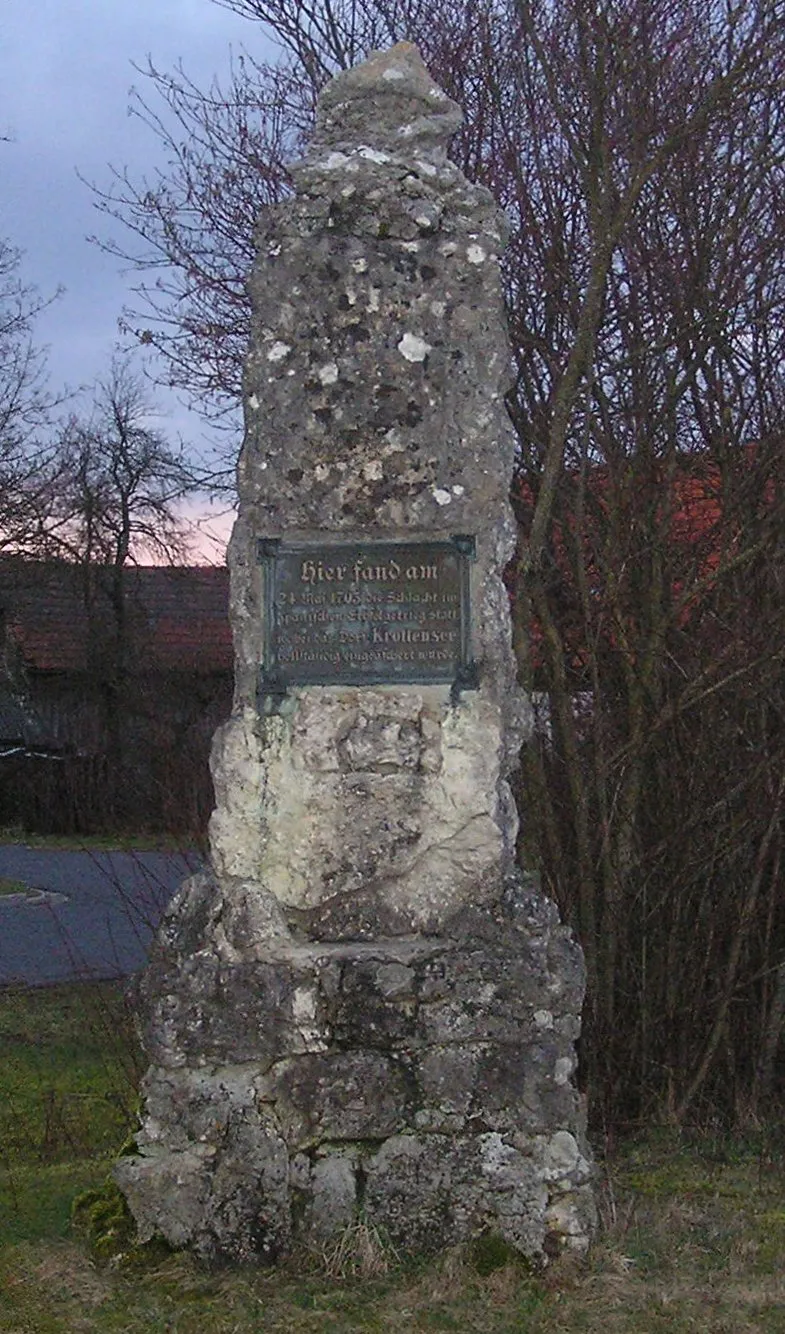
[
  {"x": 67, "y": 1098},
  {"x": 12, "y": 886},
  {"x": 117, "y": 842},
  {"x": 692, "y": 1239}
]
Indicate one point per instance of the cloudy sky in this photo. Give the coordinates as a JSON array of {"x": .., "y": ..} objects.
[{"x": 65, "y": 74}]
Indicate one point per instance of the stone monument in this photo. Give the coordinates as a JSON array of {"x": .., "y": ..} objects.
[{"x": 363, "y": 1010}]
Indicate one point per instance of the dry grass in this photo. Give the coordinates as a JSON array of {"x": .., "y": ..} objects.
[
  {"x": 688, "y": 1244},
  {"x": 692, "y": 1238},
  {"x": 359, "y": 1251}
]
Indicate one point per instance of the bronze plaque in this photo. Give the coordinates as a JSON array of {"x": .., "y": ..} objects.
[{"x": 366, "y": 613}]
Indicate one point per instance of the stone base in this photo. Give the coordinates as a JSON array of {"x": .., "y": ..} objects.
[{"x": 421, "y": 1084}]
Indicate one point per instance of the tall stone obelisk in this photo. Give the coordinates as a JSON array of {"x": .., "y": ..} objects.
[{"x": 363, "y": 1010}]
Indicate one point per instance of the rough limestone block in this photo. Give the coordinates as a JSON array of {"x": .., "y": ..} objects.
[{"x": 362, "y": 1011}]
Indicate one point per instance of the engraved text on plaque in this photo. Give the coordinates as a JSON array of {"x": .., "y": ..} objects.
[{"x": 359, "y": 613}]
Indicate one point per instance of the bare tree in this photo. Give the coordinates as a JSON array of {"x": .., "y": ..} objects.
[
  {"x": 193, "y": 225},
  {"x": 113, "y": 493},
  {"x": 650, "y": 414},
  {"x": 116, "y": 482},
  {"x": 26, "y": 407}
]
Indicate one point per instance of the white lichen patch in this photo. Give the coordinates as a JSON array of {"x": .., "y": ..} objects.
[
  {"x": 438, "y": 309},
  {"x": 253, "y": 403},
  {"x": 304, "y": 1016},
  {"x": 458, "y": 490},
  {"x": 411, "y": 246},
  {"x": 476, "y": 255},
  {"x": 425, "y": 168},
  {"x": 441, "y": 496},
  {"x": 562, "y": 1155},
  {"x": 321, "y": 472},
  {"x": 335, "y": 161},
  {"x": 278, "y": 351},
  {"x": 449, "y": 248},
  {"x": 393, "y": 74},
  {"x": 360, "y": 265},
  {"x": 303, "y": 1005},
  {"x": 413, "y": 348},
  {"x": 373, "y": 299},
  {"x": 328, "y": 374},
  {"x": 393, "y": 443},
  {"x": 543, "y": 1018},
  {"x": 373, "y": 154},
  {"x": 373, "y": 470},
  {"x": 274, "y": 250},
  {"x": 496, "y": 1157},
  {"x": 562, "y": 1073}
]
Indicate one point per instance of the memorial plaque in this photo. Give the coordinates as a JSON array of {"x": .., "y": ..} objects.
[{"x": 366, "y": 613}]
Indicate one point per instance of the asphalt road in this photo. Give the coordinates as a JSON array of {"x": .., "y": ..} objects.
[{"x": 88, "y": 915}]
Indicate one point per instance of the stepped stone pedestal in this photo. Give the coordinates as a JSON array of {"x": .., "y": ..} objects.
[{"x": 363, "y": 1010}]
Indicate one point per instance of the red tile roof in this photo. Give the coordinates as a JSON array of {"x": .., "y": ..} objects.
[{"x": 177, "y": 616}]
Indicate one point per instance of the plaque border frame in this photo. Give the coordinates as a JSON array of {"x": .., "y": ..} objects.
[{"x": 273, "y": 682}]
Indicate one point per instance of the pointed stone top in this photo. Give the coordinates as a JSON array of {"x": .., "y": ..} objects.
[{"x": 391, "y": 103}]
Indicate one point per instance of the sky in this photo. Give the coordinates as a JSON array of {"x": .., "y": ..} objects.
[{"x": 65, "y": 75}]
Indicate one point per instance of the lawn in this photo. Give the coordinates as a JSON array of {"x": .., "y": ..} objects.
[
  {"x": 8, "y": 886},
  {"x": 692, "y": 1238},
  {"x": 109, "y": 842}
]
